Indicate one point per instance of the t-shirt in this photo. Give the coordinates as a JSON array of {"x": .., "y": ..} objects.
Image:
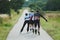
[
  {"x": 27, "y": 17},
  {"x": 31, "y": 15},
  {"x": 37, "y": 16}
]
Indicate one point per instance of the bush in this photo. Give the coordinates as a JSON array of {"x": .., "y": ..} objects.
[{"x": 1, "y": 20}]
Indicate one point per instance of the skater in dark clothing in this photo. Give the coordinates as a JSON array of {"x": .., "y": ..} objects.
[
  {"x": 26, "y": 22},
  {"x": 37, "y": 16},
  {"x": 31, "y": 22}
]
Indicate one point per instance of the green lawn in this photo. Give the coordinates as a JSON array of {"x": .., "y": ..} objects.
[
  {"x": 52, "y": 27},
  {"x": 8, "y": 24}
]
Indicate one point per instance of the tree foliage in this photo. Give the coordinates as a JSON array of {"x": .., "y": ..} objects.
[
  {"x": 53, "y": 5},
  {"x": 16, "y": 4},
  {"x": 6, "y": 5},
  {"x": 36, "y": 7},
  {"x": 39, "y": 4}
]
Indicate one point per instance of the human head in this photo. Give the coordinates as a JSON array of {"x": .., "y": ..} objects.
[
  {"x": 26, "y": 14},
  {"x": 37, "y": 11},
  {"x": 32, "y": 11}
]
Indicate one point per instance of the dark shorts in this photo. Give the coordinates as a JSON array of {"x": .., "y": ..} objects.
[
  {"x": 27, "y": 21},
  {"x": 37, "y": 22},
  {"x": 31, "y": 22}
]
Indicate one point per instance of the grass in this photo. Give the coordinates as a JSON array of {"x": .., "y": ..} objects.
[
  {"x": 7, "y": 24},
  {"x": 52, "y": 27}
]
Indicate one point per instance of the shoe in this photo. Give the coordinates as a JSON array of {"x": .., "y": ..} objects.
[
  {"x": 20, "y": 31},
  {"x": 27, "y": 30},
  {"x": 38, "y": 33},
  {"x": 35, "y": 31},
  {"x": 30, "y": 29}
]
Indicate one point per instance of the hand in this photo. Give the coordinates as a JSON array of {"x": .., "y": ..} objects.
[{"x": 46, "y": 21}]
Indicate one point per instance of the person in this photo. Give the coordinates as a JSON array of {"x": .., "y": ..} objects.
[
  {"x": 26, "y": 22},
  {"x": 37, "y": 16},
  {"x": 31, "y": 21}
]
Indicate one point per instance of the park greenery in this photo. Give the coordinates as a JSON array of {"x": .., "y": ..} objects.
[
  {"x": 47, "y": 5},
  {"x": 7, "y": 5},
  {"x": 6, "y": 24},
  {"x": 52, "y": 27},
  {"x": 13, "y": 7}
]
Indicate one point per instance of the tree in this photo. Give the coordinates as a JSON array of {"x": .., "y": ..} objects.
[
  {"x": 53, "y": 5},
  {"x": 6, "y": 5},
  {"x": 16, "y": 4},
  {"x": 36, "y": 7}
]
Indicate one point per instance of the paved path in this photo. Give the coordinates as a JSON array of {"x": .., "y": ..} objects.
[{"x": 16, "y": 35}]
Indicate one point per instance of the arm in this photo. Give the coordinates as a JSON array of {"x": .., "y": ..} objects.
[{"x": 43, "y": 17}]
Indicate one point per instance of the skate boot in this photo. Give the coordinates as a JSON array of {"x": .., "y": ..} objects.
[
  {"x": 35, "y": 31},
  {"x": 38, "y": 33}
]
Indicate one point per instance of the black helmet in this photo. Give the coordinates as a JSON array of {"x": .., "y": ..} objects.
[
  {"x": 37, "y": 11},
  {"x": 26, "y": 14}
]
